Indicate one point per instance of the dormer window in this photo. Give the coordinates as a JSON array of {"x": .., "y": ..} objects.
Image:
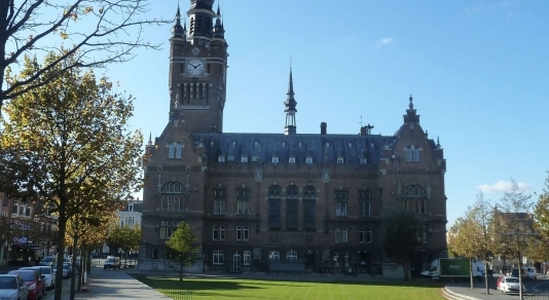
[
  {"x": 130, "y": 207},
  {"x": 363, "y": 161},
  {"x": 309, "y": 160},
  {"x": 221, "y": 158},
  {"x": 230, "y": 158},
  {"x": 254, "y": 158},
  {"x": 175, "y": 150},
  {"x": 244, "y": 159},
  {"x": 340, "y": 160},
  {"x": 291, "y": 160},
  {"x": 275, "y": 160},
  {"x": 412, "y": 153}
]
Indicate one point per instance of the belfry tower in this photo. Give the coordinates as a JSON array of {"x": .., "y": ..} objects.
[{"x": 198, "y": 69}]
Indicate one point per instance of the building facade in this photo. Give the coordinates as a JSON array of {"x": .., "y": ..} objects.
[{"x": 278, "y": 202}]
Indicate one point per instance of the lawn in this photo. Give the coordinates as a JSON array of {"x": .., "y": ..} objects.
[{"x": 224, "y": 288}]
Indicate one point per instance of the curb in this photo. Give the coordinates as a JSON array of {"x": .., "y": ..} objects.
[{"x": 448, "y": 294}]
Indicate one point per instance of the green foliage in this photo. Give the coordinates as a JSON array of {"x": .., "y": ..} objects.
[
  {"x": 71, "y": 135},
  {"x": 126, "y": 237},
  {"x": 183, "y": 244},
  {"x": 540, "y": 251},
  {"x": 401, "y": 232}
]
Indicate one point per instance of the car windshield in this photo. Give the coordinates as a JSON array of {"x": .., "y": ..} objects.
[
  {"x": 8, "y": 283},
  {"x": 512, "y": 280},
  {"x": 27, "y": 276},
  {"x": 110, "y": 260},
  {"x": 45, "y": 270},
  {"x": 47, "y": 259}
]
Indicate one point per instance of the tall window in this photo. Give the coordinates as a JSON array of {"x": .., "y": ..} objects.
[
  {"x": 243, "y": 201},
  {"x": 220, "y": 199},
  {"x": 291, "y": 207},
  {"x": 172, "y": 193},
  {"x": 218, "y": 258},
  {"x": 423, "y": 236},
  {"x": 414, "y": 198},
  {"x": 175, "y": 150},
  {"x": 291, "y": 255},
  {"x": 364, "y": 203},
  {"x": 247, "y": 258},
  {"x": 341, "y": 203},
  {"x": 412, "y": 153},
  {"x": 309, "y": 208},
  {"x": 341, "y": 235},
  {"x": 365, "y": 235},
  {"x": 218, "y": 233},
  {"x": 242, "y": 233},
  {"x": 167, "y": 228},
  {"x": 275, "y": 194}
]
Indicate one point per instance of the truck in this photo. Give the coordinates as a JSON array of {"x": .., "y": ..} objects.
[{"x": 454, "y": 268}]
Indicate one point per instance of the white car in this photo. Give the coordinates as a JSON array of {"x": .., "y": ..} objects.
[
  {"x": 510, "y": 285},
  {"x": 12, "y": 287}
]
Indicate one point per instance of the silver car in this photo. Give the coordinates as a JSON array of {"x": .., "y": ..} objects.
[{"x": 12, "y": 287}]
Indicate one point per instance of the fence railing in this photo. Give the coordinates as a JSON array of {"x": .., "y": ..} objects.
[
  {"x": 163, "y": 283},
  {"x": 543, "y": 295}
]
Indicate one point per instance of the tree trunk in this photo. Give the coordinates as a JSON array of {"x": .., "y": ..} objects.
[
  {"x": 471, "y": 273},
  {"x": 73, "y": 263},
  {"x": 486, "y": 277},
  {"x": 181, "y": 271},
  {"x": 60, "y": 254}
]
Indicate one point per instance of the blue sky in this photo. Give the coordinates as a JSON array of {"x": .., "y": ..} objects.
[{"x": 478, "y": 72}]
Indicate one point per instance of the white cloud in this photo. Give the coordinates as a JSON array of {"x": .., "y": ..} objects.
[
  {"x": 384, "y": 41},
  {"x": 501, "y": 187}
]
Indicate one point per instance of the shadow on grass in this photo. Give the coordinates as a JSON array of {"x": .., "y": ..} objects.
[{"x": 198, "y": 283}]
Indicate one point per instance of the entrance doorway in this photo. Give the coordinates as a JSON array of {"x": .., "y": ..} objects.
[{"x": 236, "y": 262}]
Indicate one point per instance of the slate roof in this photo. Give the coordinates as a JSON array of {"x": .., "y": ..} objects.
[{"x": 322, "y": 148}]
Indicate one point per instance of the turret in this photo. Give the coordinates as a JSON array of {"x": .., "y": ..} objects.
[{"x": 290, "y": 108}]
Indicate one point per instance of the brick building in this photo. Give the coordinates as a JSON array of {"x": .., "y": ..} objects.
[{"x": 277, "y": 202}]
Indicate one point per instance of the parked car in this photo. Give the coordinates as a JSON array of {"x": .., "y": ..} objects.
[
  {"x": 500, "y": 278},
  {"x": 47, "y": 272},
  {"x": 510, "y": 285},
  {"x": 67, "y": 270},
  {"x": 48, "y": 261},
  {"x": 13, "y": 287},
  {"x": 530, "y": 272},
  {"x": 112, "y": 263},
  {"x": 34, "y": 283}
]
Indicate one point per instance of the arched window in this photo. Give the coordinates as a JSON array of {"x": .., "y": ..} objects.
[
  {"x": 309, "y": 208},
  {"x": 172, "y": 193},
  {"x": 243, "y": 201},
  {"x": 291, "y": 207},
  {"x": 414, "y": 198},
  {"x": 218, "y": 233},
  {"x": 275, "y": 193}
]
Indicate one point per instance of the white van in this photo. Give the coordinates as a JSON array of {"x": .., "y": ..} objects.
[{"x": 112, "y": 263}]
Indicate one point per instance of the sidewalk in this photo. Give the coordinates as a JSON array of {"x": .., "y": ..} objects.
[{"x": 109, "y": 285}]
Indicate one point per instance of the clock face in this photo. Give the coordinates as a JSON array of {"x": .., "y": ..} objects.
[{"x": 195, "y": 67}]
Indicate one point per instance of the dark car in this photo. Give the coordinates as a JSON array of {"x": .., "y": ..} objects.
[
  {"x": 67, "y": 270},
  {"x": 34, "y": 283}
]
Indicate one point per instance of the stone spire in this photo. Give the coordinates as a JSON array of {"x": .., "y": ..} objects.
[{"x": 290, "y": 108}]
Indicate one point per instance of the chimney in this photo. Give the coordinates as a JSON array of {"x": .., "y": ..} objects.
[{"x": 323, "y": 127}]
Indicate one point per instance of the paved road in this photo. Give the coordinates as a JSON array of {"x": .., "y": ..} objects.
[
  {"x": 479, "y": 293},
  {"x": 109, "y": 285}
]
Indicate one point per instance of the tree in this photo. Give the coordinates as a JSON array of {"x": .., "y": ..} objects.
[
  {"x": 515, "y": 224},
  {"x": 469, "y": 236},
  {"x": 124, "y": 237},
  {"x": 92, "y": 32},
  {"x": 401, "y": 232},
  {"x": 71, "y": 136},
  {"x": 541, "y": 219},
  {"x": 183, "y": 244}
]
